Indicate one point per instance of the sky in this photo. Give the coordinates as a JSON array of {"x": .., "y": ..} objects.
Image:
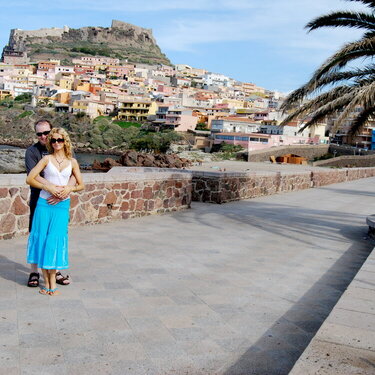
[{"x": 259, "y": 41}]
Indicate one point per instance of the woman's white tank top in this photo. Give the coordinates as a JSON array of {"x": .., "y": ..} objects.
[{"x": 53, "y": 175}]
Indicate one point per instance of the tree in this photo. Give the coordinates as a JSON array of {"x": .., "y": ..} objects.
[{"x": 334, "y": 87}]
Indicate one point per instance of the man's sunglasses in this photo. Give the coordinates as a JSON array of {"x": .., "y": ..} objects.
[
  {"x": 58, "y": 140},
  {"x": 39, "y": 134}
]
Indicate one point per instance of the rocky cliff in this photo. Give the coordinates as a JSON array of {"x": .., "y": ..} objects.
[{"x": 122, "y": 40}]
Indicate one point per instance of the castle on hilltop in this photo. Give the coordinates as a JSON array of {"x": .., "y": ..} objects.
[{"x": 26, "y": 45}]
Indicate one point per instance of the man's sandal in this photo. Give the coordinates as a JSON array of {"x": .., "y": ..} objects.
[
  {"x": 61, "y": 279},
  {"x": 33, "y": 281}
]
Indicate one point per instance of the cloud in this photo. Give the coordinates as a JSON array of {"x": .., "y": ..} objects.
[{"x": 279, "y": 25}]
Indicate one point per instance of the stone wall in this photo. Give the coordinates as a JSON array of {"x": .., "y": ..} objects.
[
  {"x": 119, "y": 194},
  {"x": 345, "y": 161},
  {"x": 307, "y": 151},
  {"x": 348, "y": 150},
  {"x": 126, "y": 192},
  {"x": 222, "y": 187}
]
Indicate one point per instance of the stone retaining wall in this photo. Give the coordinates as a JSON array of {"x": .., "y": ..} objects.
[
  {"x": 107, "y": 196},
  {"x": 344, "y": 161},
  {"x": 307, "y": 151},
  {"x": 221, "y": 187},
  {"x": 131, "y": 192}
]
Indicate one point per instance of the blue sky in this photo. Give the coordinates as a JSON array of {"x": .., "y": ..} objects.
[{"x": 259, "y": 41}]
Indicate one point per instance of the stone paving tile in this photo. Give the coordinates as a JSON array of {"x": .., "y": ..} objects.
[
  {"x": 163, "y": 349},
  {"x": 332, "y": 359},
  {"x": 352, "y": 318},
  {"x": 361, "y": 293},
  {"x": 9, "y": 356},
  {"x": 9, "y": 371},
  {"x": 45, "y": 370},
  {"x": 349, "y": 336},
  {"x": 177, "y": 321},
  {"x": 154, "y": 335},
  {"x": 35, "y": 356},
  {"x": 357, "y": 304},
  {"x": 30, "y": 326},
  {"x": 88, "y": 368},
  {"x": 141, "y": 367},
  {"x": 77, "y": 339},
  {"x": 42, "y": 340},
  {"x": 188, "y": 334}
]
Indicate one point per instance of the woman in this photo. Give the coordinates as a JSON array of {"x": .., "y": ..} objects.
[{"x": 48, "y": 240}]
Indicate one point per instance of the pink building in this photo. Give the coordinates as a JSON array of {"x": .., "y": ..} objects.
[{"x": 180, "y": 119}]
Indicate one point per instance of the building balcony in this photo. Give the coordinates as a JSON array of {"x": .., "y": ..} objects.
[{"x": 175, "y": 123}]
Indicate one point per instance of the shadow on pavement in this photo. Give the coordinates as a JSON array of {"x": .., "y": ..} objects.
[
  {"x": 276, "y": 352},
  {"x": 16, "y": 272}
]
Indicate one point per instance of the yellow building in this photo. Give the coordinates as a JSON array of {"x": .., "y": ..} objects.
[
  {"x": 136, "y": 110},
  {"x": 4, "y": 94},
  {"x": 80, "y": 106},
  {"x": 65, "y": 83},
  {"x": 245, "y": 111},
  {"x": 233, "y": 103},
  {"x": 63, "y": 97},
  {"x": 82, "y": 86}
]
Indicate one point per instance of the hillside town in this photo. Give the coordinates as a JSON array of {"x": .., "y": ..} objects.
[{"x": 212, "y": 106}]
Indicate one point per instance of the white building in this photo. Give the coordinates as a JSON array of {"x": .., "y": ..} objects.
[{"x": 234, "y": 125}]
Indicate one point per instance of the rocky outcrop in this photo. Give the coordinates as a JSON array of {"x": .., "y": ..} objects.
[
  {"x": 121, "y": 40},
  {"x": 12, "y": 161},
  {"x": 137, "y": 159}
]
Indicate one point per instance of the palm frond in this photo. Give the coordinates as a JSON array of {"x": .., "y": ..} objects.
[
  {"x": 329, "y": 108},
  {"x": 336, "y": 77},
  {"x": 357, "y": 85},
  {"x": 313, "y": 104},
  {"x": 359, "y": 122},
  {"x": 332, "y": 78},
  {"x": 368, "y": 35},
  {"x": 343, "y": 19},
  {"x": 365, "y": 97},
  {"x": 351, "y": 51}
]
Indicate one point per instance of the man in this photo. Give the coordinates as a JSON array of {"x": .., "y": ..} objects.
[{"x": 33, "y": 154}]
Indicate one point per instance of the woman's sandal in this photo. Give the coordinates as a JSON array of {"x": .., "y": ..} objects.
[
  {"x": 33, "y": 281},
  {"x": 45, "y": 291},
  {"x": 53, "y": 292},
  {"x": 61, "y": 279}
]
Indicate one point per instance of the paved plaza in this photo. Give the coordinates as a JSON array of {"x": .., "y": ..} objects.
[{"x": 233, "y": 289}]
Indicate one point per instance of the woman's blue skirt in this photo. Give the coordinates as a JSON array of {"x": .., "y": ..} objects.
[{"x": 48, "y": 241}]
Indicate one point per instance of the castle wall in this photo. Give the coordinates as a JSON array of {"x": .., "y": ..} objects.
[{"x": 41, "y": 33}]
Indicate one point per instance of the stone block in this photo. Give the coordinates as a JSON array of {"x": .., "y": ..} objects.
[
  {"x": 147, "y": 193},
  {"x": 110, "y": 198},
  {"x": 124, "y": 206},
  {"x": 8, "y": 223},
  {"x": 4, "y": 192}
]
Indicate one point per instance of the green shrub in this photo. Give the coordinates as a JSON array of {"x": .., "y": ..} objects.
[
  {"x": 127, "y": 124},
  {"x": 26, "y": 97},
  {"x": 25, "y": 114}
]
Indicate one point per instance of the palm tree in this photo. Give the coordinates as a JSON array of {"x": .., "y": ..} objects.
[{"x": 334, "y": 87}]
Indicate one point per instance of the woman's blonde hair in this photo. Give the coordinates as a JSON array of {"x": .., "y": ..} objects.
[{"x": 68, "y": 148}]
